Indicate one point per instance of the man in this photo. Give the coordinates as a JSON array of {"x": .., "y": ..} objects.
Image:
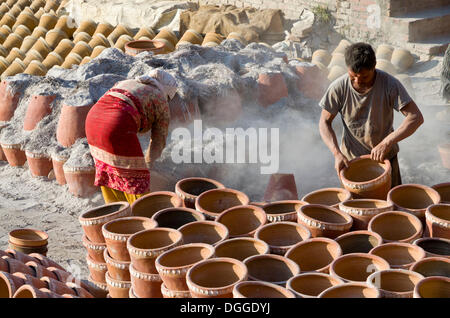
[{"x": 366, "y": 97}]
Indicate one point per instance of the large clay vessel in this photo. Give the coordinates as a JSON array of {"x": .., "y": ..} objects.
[
  {"x": 145, "y": 285},
  {"x": 434, "y": 246},
  {"x": 432, "y": 266},
  {"x": 437, "y": 218},
  {"x": 328, "y": 196},
  {"x": 395, "y": 283},
  {"x": 209, "y": 232},
  {"x": 271, "y": 268},
  {"x": 310, "y": 285},
  {"x": 80, "y": 181},
  {"x": 359, "y": 241},
  {"x": 281, "y": 186},
  {"x": 190, "y": 188},
  {"x": 363, "y": 210},
  {"x": 177, "y": 217},
  {"x": 396, "y": 226},
  {"x": 240, "y": 248},
  {"x": 351, "y": 290},
  {"x": 242, "y": 220},
  {"x": 258, "y": 289},
  {"x": 153, "y": 202},
  {"x": 8, "y": 101},
  {"x": 402, "y": 59},
  {"x": 384, "y": 51},
  {"x": 190, "y": 36},
  {"x": 71, "y": 124},
  {"x": 14, "y": 154},
  {"x": 58, "y": 168},
  {"x": 213, "y": 202},
  {"x": 444, "y": 191},
  {"x": 399, "y": 255},
  {"x": 271, "y": 88},
  {"x": 38, "y": 107},
  {"x": 9, "y": 284}
]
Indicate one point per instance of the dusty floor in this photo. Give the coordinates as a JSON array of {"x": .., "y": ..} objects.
[{"x": 43, "y": 204}]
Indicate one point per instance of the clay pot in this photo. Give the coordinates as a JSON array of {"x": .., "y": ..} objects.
[
  {"x": 39, "y": 164},
  {"x": 23, "y": 31},
  {"x": 118, "y": 270},
  {"x": 438, "y": 220},
  {"x": 133, "y": 48},
  {"x": 104, "y": 28},
  {"x": 42, "y": 47},
  {"x": 173, "y": 265},
  {"x": 321, "y": 56},
  {"x": 144, "y": 31},
  {"x": 402, "y": 59},
  {"x": 328, "y": 196},
  {"x": 131, "y": 293},
  {"x": 88, "y": 26},
  {"x": 322, "y": 220},
  {"x": 167, "y": 34},
  {"x": 16, "y": 67},
  {"x": 399, "y": 255},
  {"x": 28, "y": 237},
  {"x": 310, "y": 285},
  {"x": 281, "y": 186},
  {"x": 190, "y": 188},
  {"x": 216, "y": 277},
  {"x": 28, "y": 250},
  {"x": 17, "y": 266},
  {"x": 46, "y": 262},
  {"x": 351, "y": 290},
  {"x": 241, "y": 248},
  {"x": 64, "y": 47},
  {"x": 258, "y": 289},
  {"x": 36, "y": 68},
  {"x": 8, "y": 100},
  {"x": 176, "y": 217},
  {"x": 82, "y": 36},
  {"x": 359, "y": 241},
  {"x": 145, "y": 285},
  {"x": 82, "y": 49},
  {"x": 8, "y": 19},
  {"x": 57, "y": 287},
  {"x": 80, "y": 181},
  {"x": 93, "y": 219},
  {"x": 386, "y": 66},
  {"x": 343, "y": 44},
  {"x": 433, "y": 287},
  {"x": 53, "y": 37},
  {"x": 190, "y": 37},
  {"x": 208, "y": 232},
  {"x": 29, "y": 291},
  {"x": 271, "y": 268},
  {"x": 396, "y": 226},
  {"x": 27, "y": 19},
  {"x": 2, "y": 155},
  {"x": 118, "y": 31},
  {"x": 444, "y": 151},
  {"x": 97, "y": 50},
  {"x": 22, "y": 257},
  {"x": 145, "y": 246},
  {"x": 212, "y": 39},
  {"x": 432, "y": 266},
  {"x": 71, "y": 124},
  {"x": 32, "y": 55},
  {"x": 153, "y": 202},
  {"x": 271, "y": 89},
  {"x": 66, "y": 24},
  {"x": 213, "y": 202},
  {"x": 394, "y": 283},
  {"x": 4, "y": 8},
  {"x": 51, "y": 60},
  {"x": 58, "y": 163},
  {"x": 384, "y": 52},
  {"x": 14, "y": 154},
  {"x": 51, "y": 5},
  {"x": 117, "y": 232},
  {"x": 48, "y": 21},
  {"x": 28, "y": 43},
  {"x": 363, "y": 210},
  {"x": 98, "y": 39},
  {"x": 444, "y": 191},
  {"x": 38, "y": 107},
  {"x": 102, "y": 288},
  {"x": 242, "y": 220},
  {"x": 434, "y": 247},
  {"x": 366, "y": 178},
  {"x": 39, "y": 32},
  {"x": 315, "y": 254},
  {"x": 337, "y": 59},
  {"x": 283, "y": 211},
  {"x": 97, "y": 270},
  {"x": 95, "y": 250},
  {"x": 335, "y": 72},
  {"x": 117, "y": 288},
  {"x": 167, "y": 293},
  {"x": 122, "y": 41},
  {"x": 9, "y": 284},
  {"x": 356, "y": 267}
]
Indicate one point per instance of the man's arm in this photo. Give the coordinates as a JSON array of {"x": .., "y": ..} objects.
[
  {"x": 329, "y": 138},
  {"x": 413, "y": 119}
]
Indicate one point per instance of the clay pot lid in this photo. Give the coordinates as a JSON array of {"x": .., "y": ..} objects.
[
  {"x": 350, "y": 289},
  {"x": 366, "y": 205},
  {"x": 427, "y": 266},
  {"x": 305, "y": 211},
  {"x": 292, "y": 266},
  {"x": 234, "y": 218},
  {"x": 433, "y": 287},
  {"x": 361, "y": 164},
  {"x": 213, "y": 184},
  {"x": 340, "y": 192},
  {"x": 413, "y": 191},
  {"x": 212, "y": 207},
  {"x": 260, "y": 289},
  {"x": 279, "y": 230},
  {"x": 198, "y": 216},
  {"x": 28, "y": 237},
  {"x": 127, "y": 226},
  {"x": 260, "y": 245},
  {"x": 382, "y": 217},
  {"x": 443, "y": 243},
  {"x": 439, "y": 212},
  {"x": 156, "y": 240},
  {"x": 376, "y": 278},
  {"x": 98, "y": 213},
  {"x": 308, "y": 278},
  {"x": 194, "y": 227},
  {"x": 396, "y": 248},
  {"x": 206, "y": 251},
  {"x": 268, "y": 207}
]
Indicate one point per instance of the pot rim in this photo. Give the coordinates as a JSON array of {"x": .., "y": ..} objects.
[
  {"x": 411, "y": 217},
  {"x": 281, "y": 202},
  {"x": 17, "y": 240},
  {"x": 108, "y": 234},
  {"x": 435, "y": 219},
  {"x": 259, "y": 213},
  {"x": 158, "y": 264},
  {"x": 248, "y": 239},
  {"x": 88, "y": 244},
  {"x": 124, "y": 206},
  {"x": 401, "y": 245},
  {"x": 414, "y": 265},
  {"x": 335, "y": 189},
  {"x": 305, "y": 274},
  {"x": 238, "y": 193},
  {"x": 184, "y": 209},
  {"x": 365, "y": 211},
  {"x": 172, "y": 195},
  {"x": 286, "y": 292},
  {"x": 439, "y": 239},
  {"x": 275, "y": 224},
  {"x": 210, "y": 223},
  {"x": 371, "y": 277},
  {"x": 181, "y": 182},
  {"x": 291, "y": 264},
  {"x": 417, "y": 293},
  {"x": 147, "y": 252},
  {"x": 387, "y": 170},
  {"x": 417, "y": 186},
  {"x": 346, "y": 216},
  {"x": 114, "y": 262},
  {"x": 356, "y": 284}
]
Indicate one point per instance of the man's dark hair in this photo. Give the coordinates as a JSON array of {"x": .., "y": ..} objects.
[{"x": 360, "y": 56}]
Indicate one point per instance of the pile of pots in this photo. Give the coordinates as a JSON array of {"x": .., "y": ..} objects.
[{"x": 206, "y": 241}]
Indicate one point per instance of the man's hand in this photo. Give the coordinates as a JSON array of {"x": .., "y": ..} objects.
[
  {"x": 381, "y": 150},
  {"x": 340, "y": 162}
]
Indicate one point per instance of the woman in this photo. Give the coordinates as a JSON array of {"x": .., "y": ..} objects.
[{"x": 130, "y": 107}]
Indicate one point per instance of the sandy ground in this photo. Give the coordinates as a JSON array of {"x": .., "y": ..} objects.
[{"x": 43, "y": 204}]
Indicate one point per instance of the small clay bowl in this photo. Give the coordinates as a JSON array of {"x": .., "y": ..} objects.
[
  {"x": 153, "y": 202},
  {"x": 433, "y": 287},
  {"x": 242, "y": 247},
  {"x": 399, "y": 255},
  {"x": 434, "y": 246},
  {"x": 396, "y": 226},
  {"x": 356, "y": 267},
  {"x": 209, "y": 232},
  {"x": 213, "y": 202},
  {"x": 363, "y": 210},
  {"x": 283, "y": 211},
  {"x": 432, "y": 266},
  {"x": 394, "y": 283},
  {"x": 328, "y": 196},
  {"x": 310, "y": 285},
  {"x": 242, "y": 220},
  {"x": 190, "y": 188},
  {"x": 28, "y": 237}
]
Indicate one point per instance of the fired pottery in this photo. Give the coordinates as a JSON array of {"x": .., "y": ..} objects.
[
  {"x": 328, "y": 196},
  {"x": 167, "y": 34},
  {"x": 13, "y": 40},
  {"x": 271, "y": 268},
  {"x": 28, "y": 43},
  {"x": 322, "y": 220},
  {"x": 122, "y": 41},
  {"x": 119, "y": 30},
  {"x": 53, "y": 37},
  {"x": 173, "y": 265},
  {"x": 39, "y": 164},
  {"x": 190, "y": 36},
  {"x": 444, "y": 151},
  {"x": 399, "y": 255},
  {"x": 310, "y": 285},
  {"x": 97, "y": 270},
  {"x": 432, "y": 266},
  {"x": 8, "y": 19},
  {"x": 32, "y": 55},
  {"x": 211, "y": 37},
  {"x": 29, "y": 291},
  {"x": 433, "y": 287},
  {"x": 437, "y": 218},
  {"x": 9, "y": 284},
  {"x": 48, "y": 21},
  {"x": 82, "y": 49},
  {"x": 80, "y": 181},
  {"x": 71, "y": 124},
  {"x": 15, "y": 156},
  {"x": 16, "y": 67},
  {"x": 58, "y": 168},
  {"x": 71, "y": 59},
  {"x": 167, "y": 293},
  {"x": 98, "y": 289},
  {"x": 97, "y": 50},
  {"x": 36, "y": 4},
  {"x": 95, "y": 250},
  {"x": 337, "y": 59},
  {"x": 394, "y": 283},
  {"x": 104, "y": 28},
  {"x": 402, "y": 59},
  {"x": 133, "y": 48},
  {"x": 58, "y": 287},
  {"x": 117, "y": 288},
  {"x": 312, "y": 81},
  {"x": 116, "y": 233},
  {"x": 315, "y": 254},
  {"x": 190, "y": 188},
  {"x": 356, "y": 267},
  {"x": 144, "y": 31},
  {"x": 258, "y": 289},
  {"x": 216, "y": 277},
  {"x": 208, "y": 232},
  {"x": 51, "y": 5},
  {"x": 322, "y": 56},
  {"x": 15, "y": 53},
  {"x": 65, "y": 24},
  {"x": 17, "y": 266},
  {"x": 99, "y": 40},
  {"x": 363, "y": 210},
  {"x": 386, "y": 66},
  {"x": 28, "y": 250},
  {"x": 39, "y": 32},
  {"x": 119, "y": 270},
  {"x": 38, "y": 107},
  {"x": 36, "y": 68},
  {"x": 145, "y": 246},
  {"x": 282, "y": 211},
  {"x": 384, "y": 51},
  {"x": 82, "y": 36},
  {"x": 351, "y": 290},
  {"x": 396, "y": 226},
  {"x": 153, "y": 202},
  {"x": 272, "y": 87},
  {"x": 93, "y": 219},
  {"x": 17, "y": 255},
  {"x": 8, "y": 100},
  {"x": 359, "y": 241},
  {"x": 52, "y": 59},
  {"x": 281, "y": 186},
  {"x": 2, "y": 155},
  {"x": 336, "y": 71},
  {"x": 176, "y": 217},
  {"x": 87, "y": 25},
  {"x": 145, "y": 285},
  {"x": 434, "y": 246},
  {"x": 213, "y": 202},
  {"x": 28, "y": 237},
  {"x": 64, "y": 47},
  {"x": 444, "y": 191},
  {"x": 242, "y": 220},
  {"x": 26, "y": 19},
  {"x": 240, "y": 248}
]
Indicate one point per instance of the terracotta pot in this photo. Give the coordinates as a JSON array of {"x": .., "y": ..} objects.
[
  {"x": 28, "y": 250},
  {"x": 17, "y": 266},
  {"x": 81, "y": 36},
  {"x": 144, "y": 31},
  {"x": 82, "y": 49},
  {"x": 241, "y": 248},
  {"x": 190, "y": 188},
  {"x": 315, "y": 254},
  {"x": 396, "y": 226},
  {"x": 131, "y": 293},
  {"x": 322, "y": 220},
  {"x": 53, "y": 37},
  {"x": 64, "y": 47},
  {"x": 32, "y": 55},
  {"x": 15, "y": 53},
  {"x": 97, "y": 50},
  {"x": 36, "y": 4},
  {"x": 16, "y": 67},
  {"x": 118, "y": 270},
  {"x": 87, "y": 25},
  {"x": 58, "y": 163},
  {"x": 48, "y": 21},
  {"x": 322, "y": 56},
  {"x": 433, "y": 287},
  {"x": 438, "y": 220},
  {"x": 93, "y": 219},
  {"x": 101, "y": 288},
  {"x": 95, "y": 250},
  {"x": 14, "y": 154},
  {"x": 281, "y": 187},
  {"x": 444, "y": 191},
  {"x": 133, "y": 48},
  {"x": 190, "y": 36},
  {"x": 39, "y": 32},
  {"x": 413, "y": 198},
  {"x": 310, "y": 285},
  {"x": 22, "y": 257},
  {"x": 117, "y": 232},
  {"x": 145, "y": 246},
  {"x": 167, "y": 293},
  {"x": 97, "y": 270},
  {"x": 122, "y": 41},
  {"x": 118, "y": 31},
  {"x": 209, "y": 232},
  {"x": 52, "y": 59},
  {"x": 8, "y": 19},
  {"x": 213, "y": 202},
  {"x": 366, "y": 178},
  {"x": 46, "y": 262},
  {"x": 28, "y": 237},
  {"x": 81, "y": 292},
  {"x": 38, "y": 107},
  {"x": 36, "y": 68},
  {"x": 9, "y": 284},
  {"x": 27, "y": 19},
  {"x": 282, "y": 211},
  {"x": 384, "y": 52},
  {"x": 351, "y": 290},
  {"x": 356, "y": 267},
  {"x": 399, "y": 255},
  {"x": 363, "y": 210},
  {"x": 402, "y": 59},
  {"x": 337, "y": 59},
  {"x": 51, "y": 5},
  {"x": 434, "y": 247},
  {"x": 444, "y": 151},
  {"x": 4, "y": 264},
  {"x": 394, "y": 283},
  {"x": 104, "y": 28},
  {"x": 71, "y": 60},
  {"x": 216, "y": 277},
  {"x": 386, "y": 66},
  {"x": 173, "y": 265},
  {"x": 432, "y": 266},
  {"x": 176, "y": 217},
  {"x": 167, "y": 34},
  {"x": 28, "y": 291},
  {"x": 57, "y": 287},
  {"x": 8, "y": 100},
  {"x": 39, "y": 164},
  {"x": 212, "y": 39},
  {"x": 80, "y": 181},
  {"x": 281, "y": 236},
  {"x": 97, "y": 40},
  {"x": 28, "y": 43},
  {"x": 335, "y": 72},
  {"x": 271, "y": 268},
  {"x": 153, "y": 202},
  {"x": 145, "y": 285},
  {"x": 2, "y": 155},
  {"x": 66, "y": 25},
  {"x": 71, "y": 124},
  {"x": 242, "y": 220},
  {"x": 328, "y": 196},
  {"x": 117, "y": 288},
  {"x": 257, "y": 289},
  {"x": 359, "y": 241},
  {"x": 271, "y": 89}
]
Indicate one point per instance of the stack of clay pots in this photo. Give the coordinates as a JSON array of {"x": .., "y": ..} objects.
[{"x": 28, "y": 241}]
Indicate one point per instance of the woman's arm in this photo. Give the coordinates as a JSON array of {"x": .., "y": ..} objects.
[{"x": 159, "y": 132}]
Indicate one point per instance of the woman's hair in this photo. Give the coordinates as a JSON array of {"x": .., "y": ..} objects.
[{"x": 360, "y": 56}]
